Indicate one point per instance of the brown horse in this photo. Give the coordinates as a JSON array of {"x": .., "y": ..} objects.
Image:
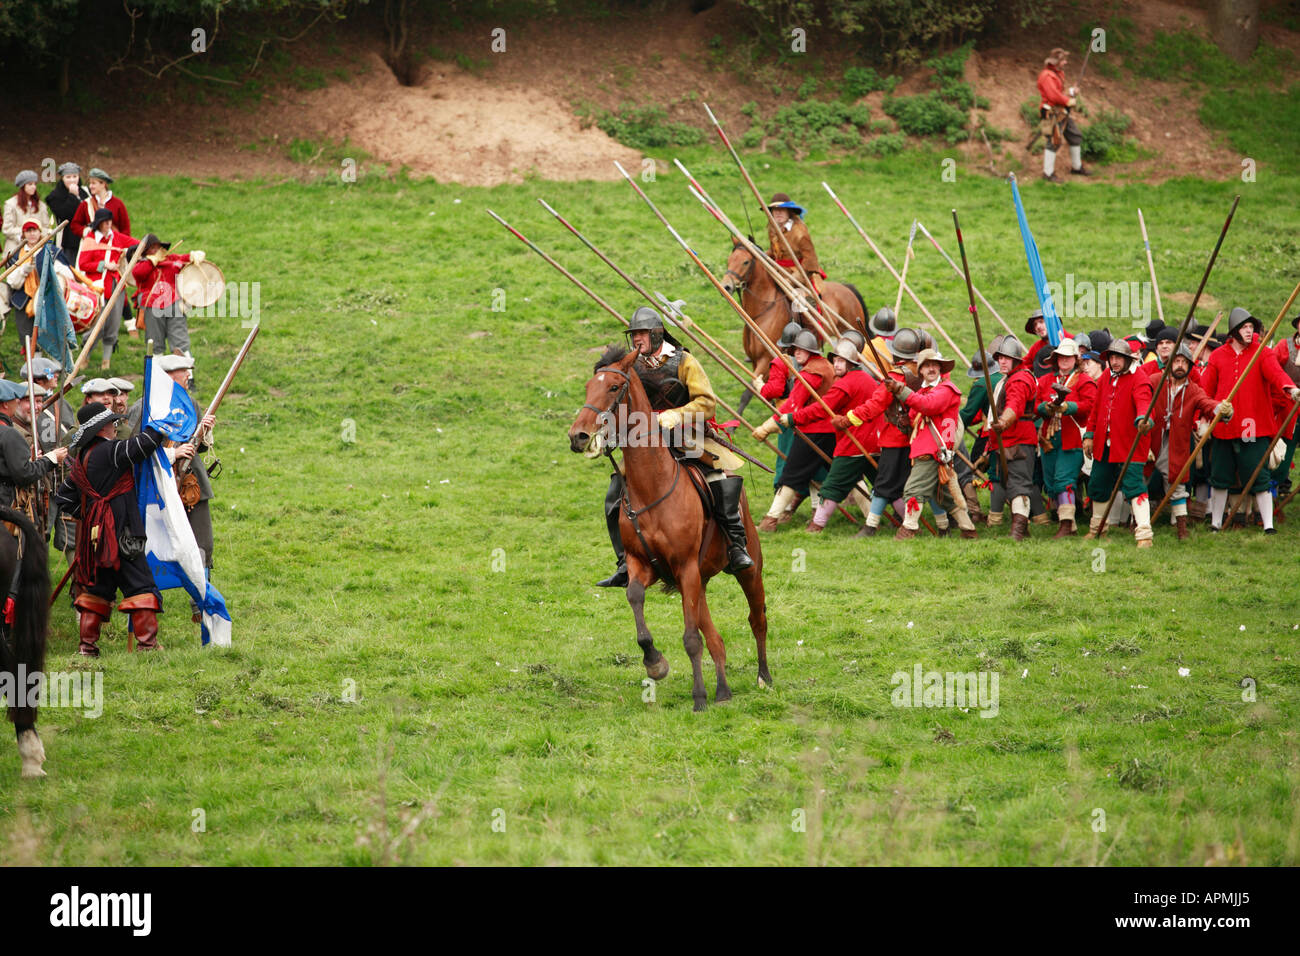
[
  {"x": 765, "y": 303},
  {"x": 674, "y": 538}
]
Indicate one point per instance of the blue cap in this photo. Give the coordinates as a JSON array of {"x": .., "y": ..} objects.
[{"x": 11, "y": 390}]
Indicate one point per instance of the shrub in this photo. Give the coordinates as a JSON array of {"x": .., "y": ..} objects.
[
  {"x": 807, "y": 88},
  {"x": 861, "y": 80},
  {"x": 888, "y": 144},
  {"x": 646, "y": 127},
  {"x": 1103, "y": 138},
  {"x": 927, "y": 115}
]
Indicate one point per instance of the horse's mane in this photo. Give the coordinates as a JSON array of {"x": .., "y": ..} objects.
[{"x": 612, "y": 355}]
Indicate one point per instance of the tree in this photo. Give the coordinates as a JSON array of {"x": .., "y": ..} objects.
[{"x": 1234, "y": 27}]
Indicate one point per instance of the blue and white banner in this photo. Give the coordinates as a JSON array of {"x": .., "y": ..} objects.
[
  {"x": 174, "y": 555},
  {"x": 1052, "y": 320}
]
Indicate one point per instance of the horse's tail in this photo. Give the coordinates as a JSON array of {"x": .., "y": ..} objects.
[
  {"x": 858, "y": 295},
  {"x": 31, "y": 609}
]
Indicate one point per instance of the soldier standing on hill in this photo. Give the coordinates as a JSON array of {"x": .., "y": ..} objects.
[{"x": 1058, "y": 123}]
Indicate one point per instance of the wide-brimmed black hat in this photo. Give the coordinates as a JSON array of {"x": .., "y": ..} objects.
[
  {"x": 101, "y": 215},
  {"x": 149, "y": 240},
  {"x": 91, "y": 419}
]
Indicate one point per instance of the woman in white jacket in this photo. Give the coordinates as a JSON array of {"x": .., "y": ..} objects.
[{"x": 24, "y": 204}]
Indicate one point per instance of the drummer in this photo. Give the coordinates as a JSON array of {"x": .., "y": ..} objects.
[
  {"x": 164, "y": 313},
  {"x": 98, "y": 258}
]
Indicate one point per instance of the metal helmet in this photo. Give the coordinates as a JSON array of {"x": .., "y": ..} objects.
[
  {"x": 906, "y": 345},
  {"x": 846, "y": 350},
  {"x": 1010, "y": 347},
  {"x": 1033, "y": 317},
  {"x": 857, "y": 338},
  {"x": 927, "y": 340},
  {"x": 646, "y": 319},
  {"x": 884, "y": 323},
  {"x": 807, "y": 341},
  {"x": 1185, "y": 351},
  {"x": 1120, "y": 347},
  {"x": 977, "y": 362},
  {"x": 1239, "y": 317},
  {"x": 1083, "y": 341},
  {"x": 788, "y": 333}
]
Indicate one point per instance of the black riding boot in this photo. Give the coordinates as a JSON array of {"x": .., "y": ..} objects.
[
  {"x": 613, "y": 501},
  {"x": 726, "y": 508}
]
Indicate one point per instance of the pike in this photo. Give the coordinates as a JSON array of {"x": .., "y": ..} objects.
[
  {"x": 93, "y": 332},
  {"x": 1051, "y": 321},
  {"x": 907, "y": 260},
  {"x": 1151, "y": 266},
  {"x": 771, "y": 220},
  {"x": 744, "y": 316},
  {"x": 230, "y": 376},
  {"x": 1214, "y": 422},
  {"x": 1164, "y": 377},
  {"x": 957, "y": 269},
  {"x": 994, "y": 438},
  {"x": 892, "y": 271},
  {"x": 576, "y": 281}
]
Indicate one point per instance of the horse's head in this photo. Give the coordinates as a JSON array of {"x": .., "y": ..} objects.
[
  {"x": 740, "y": 268},
  {"x": 592, "y": 431}
]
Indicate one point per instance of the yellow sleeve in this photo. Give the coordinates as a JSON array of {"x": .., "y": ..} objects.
[{"x": 692, "y": 376}]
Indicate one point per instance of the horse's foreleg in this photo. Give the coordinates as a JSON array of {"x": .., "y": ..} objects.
[
  {"x": 692, "y": 596},
  {"x": 717, "y": 650},
  {"x": 656, "y": 665},
  {"x": 751, "y": 581},
  {"x": 30, "y": 750}
]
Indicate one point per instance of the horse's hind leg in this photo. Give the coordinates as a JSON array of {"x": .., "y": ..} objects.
[
  {"x": 656, "y": 665},
  {"x": 717, "y": 650},
  {"x": 692, "y": 601},
  {"x": 30, "y": 750}
]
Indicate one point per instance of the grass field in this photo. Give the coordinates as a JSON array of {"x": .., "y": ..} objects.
[{"x": 441, "y": 564}]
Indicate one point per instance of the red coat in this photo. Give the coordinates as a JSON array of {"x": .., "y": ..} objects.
[
  {"x": 1121, "y": 401},
  {"x": 80, "y": 223},
  {"x": 1283, "y": 407},
  {"x": 93, "y": 251},
  {"x": 158, "y": 283},
  {"x": 778, "y": 375},
  {"x": 1051, "y": 87},
  {"x": 873, "y": 409},
  {"x": 819, "y": 374},
  {"x": 850, "y": 390},
  {"x": 940, "y": 404},
  {"x": 1083, "y": 392},
  {"x": 1018, "y": 391},
  {"x": 1253, "y": 402},
  {"x": 1190, "y": 403}
]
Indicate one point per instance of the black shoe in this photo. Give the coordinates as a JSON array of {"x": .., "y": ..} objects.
[
  {"x": 1270, "y": 530},
  {"x": 726, "y": 507},
  {"x": 1080, "y": 172},
  {"x": 616, "y": 580}
]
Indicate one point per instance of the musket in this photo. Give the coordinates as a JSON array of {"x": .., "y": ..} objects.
[
  {"x": 27, "y": 256},
  {"x": 1164, "y": 375}
]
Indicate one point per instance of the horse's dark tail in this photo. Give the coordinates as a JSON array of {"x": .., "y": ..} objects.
[
  {"x": 858, "y": 295},
  {"x": 31, "y": 610}
]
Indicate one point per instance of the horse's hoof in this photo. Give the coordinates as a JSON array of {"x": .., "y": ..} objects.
[
  {"x": 722, "y": 696},
  {"x": 658, "y": 670},
  {"x": 764, "y": 681},
  {"x": 700, "y": 705},
  {"x": 32, "y": 752},
  {"x": 32, "y": 772}
]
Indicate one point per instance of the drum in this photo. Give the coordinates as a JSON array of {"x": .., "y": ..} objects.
[
  {"x": 83, "y": 304},
  {"x": 200, "y": 284}
]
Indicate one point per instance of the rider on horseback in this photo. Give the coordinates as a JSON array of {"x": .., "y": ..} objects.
[
  {"x": 788, "y": 216},
  {"x": 679, "y": 391}
]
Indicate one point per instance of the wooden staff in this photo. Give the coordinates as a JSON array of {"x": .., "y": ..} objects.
[
  {"x": 779, "y": 275},
  {"x": 753, "y": 326},
  {"x": 994, "y": 437},
  {"x": 72, "y": 566},
  {"x": 594, "y": 297},
  {"x": 1290, "y": 416},
  {"x": 902, "y": 281},
  {"x": 93, "y": 332},
  {"x": 1202, "y": 345},
  {"x": 1263, "y": 344},
  {"x": 957, "y": 269},
  {"x": 31, "y": 403},
  {"x": 880, "y": 255},
  {"x": 771, "y": 220},
  {"x": 27, "y": 256},
  {"x": 1151, "y": 266},
  {"x": 1164, "y": 377},
  {"x": 201, "y": 434}
]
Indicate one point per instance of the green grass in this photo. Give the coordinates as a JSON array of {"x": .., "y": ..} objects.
[{"x": 520, "y": 691}]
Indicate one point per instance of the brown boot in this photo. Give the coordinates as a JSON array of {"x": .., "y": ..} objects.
[
  {"x": 143, "y": 609},
  {"x": 968, "y": 534},
  {"x": 93, "y": 611},
  {"x": 812, "y": 527},
  {"x": 1066, "y": 530},
  {"x": 903, "y": 533},
  {"x": 789, "y": 512},
  {"x": 1180, "y": 523},
  {"x": 767, "y": 524},
  {"x": 1019, "y": 527},
  {"x": 867, "y": 531}
]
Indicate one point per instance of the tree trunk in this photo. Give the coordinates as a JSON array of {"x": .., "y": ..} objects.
[{"x": 1234, "y": 27}]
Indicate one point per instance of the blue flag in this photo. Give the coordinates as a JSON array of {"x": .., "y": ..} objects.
[
  {"x": 174, "y": 555},
  {"x": 54, "y": 332},
  {"x": 1054, "y": 330}
]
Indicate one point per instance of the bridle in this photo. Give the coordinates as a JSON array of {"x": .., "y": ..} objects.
[
  {"x": 618, "y": 399},
  {"x": 742, "y": 284}
]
